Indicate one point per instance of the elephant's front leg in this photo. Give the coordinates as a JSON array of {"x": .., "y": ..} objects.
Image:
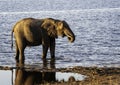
[
  {"x": 52, "y": 47},
  {"x": 45, "y": 49}
]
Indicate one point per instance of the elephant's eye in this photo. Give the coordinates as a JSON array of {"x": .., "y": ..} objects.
[{"x": 48, "y": 25}]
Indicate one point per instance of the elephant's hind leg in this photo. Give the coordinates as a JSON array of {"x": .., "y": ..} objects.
[{"x": 21, "y": 47}]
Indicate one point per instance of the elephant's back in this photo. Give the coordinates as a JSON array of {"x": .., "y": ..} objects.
[
  {"x": 27, "y": 29},
  {"x": 21, "y": 24}
]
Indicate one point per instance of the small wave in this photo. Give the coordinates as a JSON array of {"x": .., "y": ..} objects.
[{"x": 63, "y": 11}]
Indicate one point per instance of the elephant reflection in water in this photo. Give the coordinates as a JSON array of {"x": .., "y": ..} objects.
[{"x": 23, "y": 77}]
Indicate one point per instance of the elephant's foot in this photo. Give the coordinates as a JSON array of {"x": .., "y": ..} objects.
[
  {"x": 53, "y": 57},
  {"x": 44, "y": 63},
  {"x": 52, "y": 63},
  {"x": 43, "y": 57},
  {"x": 17, "y": 61}
]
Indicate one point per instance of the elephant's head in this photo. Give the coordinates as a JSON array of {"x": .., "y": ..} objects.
[
  {"x": 57, "y": 28},
  {"x": 63, "y": 29},
  {"x": 49, "y": 26}
]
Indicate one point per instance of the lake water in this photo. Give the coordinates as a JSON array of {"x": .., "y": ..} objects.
[
  {"x": 97, "y": 41},
  {"x": 95, "y": 23}
]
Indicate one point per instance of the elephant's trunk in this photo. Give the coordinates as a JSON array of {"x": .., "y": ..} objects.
[
  {"x": 71, "y": 38},
  {"x": 70, "y": 35}
]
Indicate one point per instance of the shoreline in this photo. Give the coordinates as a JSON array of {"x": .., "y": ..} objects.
[{"x": 94, "y": 75}]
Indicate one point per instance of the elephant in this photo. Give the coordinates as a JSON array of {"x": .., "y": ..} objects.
[{"x": 34, "y": 32}]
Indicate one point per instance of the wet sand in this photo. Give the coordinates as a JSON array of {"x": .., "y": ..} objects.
[{"x": 94, "y": 75}]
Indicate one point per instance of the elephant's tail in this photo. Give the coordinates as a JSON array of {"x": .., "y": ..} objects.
[{"x": 12, "y": 39}]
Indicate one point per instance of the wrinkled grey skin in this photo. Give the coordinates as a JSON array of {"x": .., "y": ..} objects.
[{"x": 34, "y": 32}]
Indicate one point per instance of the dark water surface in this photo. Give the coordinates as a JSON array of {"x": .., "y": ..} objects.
[{"x": 97, "y": 38}]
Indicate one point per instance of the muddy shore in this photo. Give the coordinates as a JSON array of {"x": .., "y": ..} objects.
[{"x": 94, "y": 75}]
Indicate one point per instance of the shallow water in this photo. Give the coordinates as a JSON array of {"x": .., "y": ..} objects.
[{"x": 7, "y": 78}]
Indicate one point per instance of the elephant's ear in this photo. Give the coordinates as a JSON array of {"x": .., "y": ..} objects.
[
  {"x": 59, "y": 25},
  {"x": 49, "y": 27},
  {"x": 60, "y": 28}
]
